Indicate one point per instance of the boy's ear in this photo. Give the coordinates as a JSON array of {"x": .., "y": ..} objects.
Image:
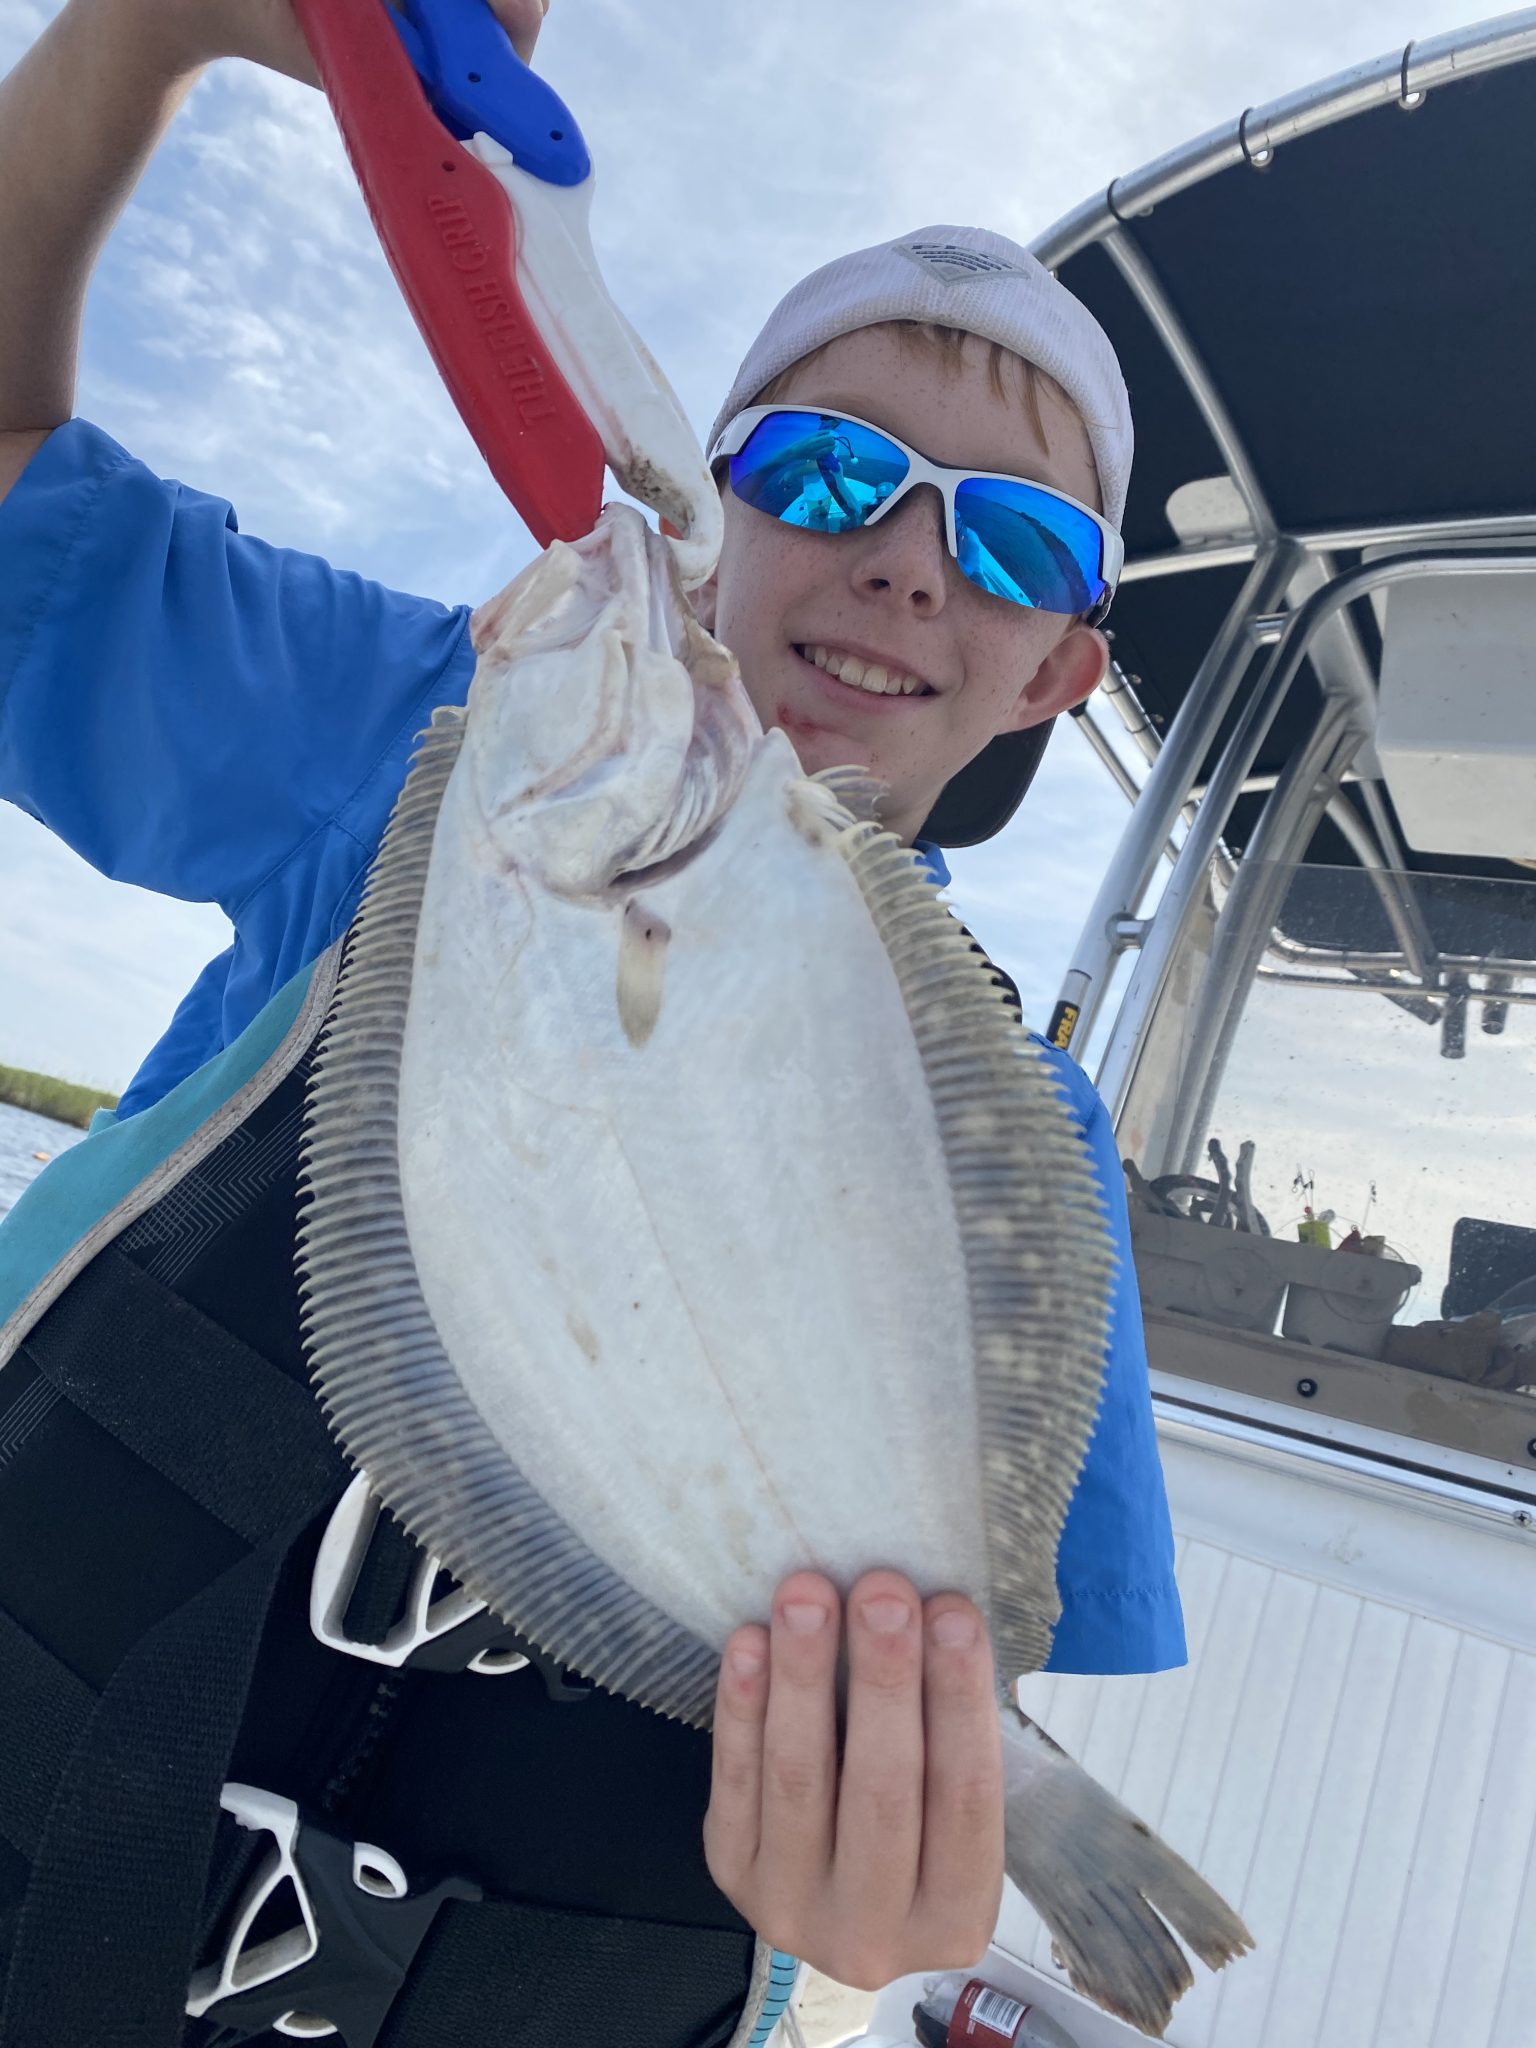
[{"x": 1072, "y": 671}]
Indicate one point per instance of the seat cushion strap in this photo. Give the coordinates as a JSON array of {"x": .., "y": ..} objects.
[
  {"x": 106, "y": 1940},
  {"x": 520, "y": 1975},
  {"x": 44, "y": 1709},
  {"x": 230, "y": 1429}
]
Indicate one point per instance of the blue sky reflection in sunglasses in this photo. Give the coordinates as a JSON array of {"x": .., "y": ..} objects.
[{"x": 828, "y": 473}]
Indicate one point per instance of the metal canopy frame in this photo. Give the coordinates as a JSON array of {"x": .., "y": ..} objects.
[
  {"x": 1300, "y": 796},
  {"x": 1292, "y": 607},
  {"x": 1403, "y": 78}
]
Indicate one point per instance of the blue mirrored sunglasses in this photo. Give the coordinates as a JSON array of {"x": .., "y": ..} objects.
[{"x": 831, "y": 473}]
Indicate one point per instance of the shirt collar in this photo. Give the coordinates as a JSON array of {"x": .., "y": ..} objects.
[{"x": 933, "y": 858}]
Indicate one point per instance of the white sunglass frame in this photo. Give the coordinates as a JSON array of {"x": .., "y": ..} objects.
[{"x": 945, "y": 478}]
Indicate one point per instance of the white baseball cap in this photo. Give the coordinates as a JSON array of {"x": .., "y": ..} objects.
[
  {"x": 968, "y": 278},
  {"x": 984, "y": 284}
]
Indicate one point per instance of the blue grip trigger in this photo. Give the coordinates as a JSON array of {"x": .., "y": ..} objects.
[{"x": 477, "y": 83}]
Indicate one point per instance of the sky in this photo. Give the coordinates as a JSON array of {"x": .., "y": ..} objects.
[{"x": 245, "y": 337}]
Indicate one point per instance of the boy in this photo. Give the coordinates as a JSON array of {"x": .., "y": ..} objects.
[{"x": 204, "y": 715}]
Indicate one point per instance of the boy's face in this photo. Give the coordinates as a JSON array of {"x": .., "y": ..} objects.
[{"x": 893, "y": 594}]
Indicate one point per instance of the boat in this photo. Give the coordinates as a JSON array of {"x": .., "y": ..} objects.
[{"x": 1315, "y": 944}]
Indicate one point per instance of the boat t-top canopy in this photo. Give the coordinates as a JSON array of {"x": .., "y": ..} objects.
[{"x": 1325, "y": 312}]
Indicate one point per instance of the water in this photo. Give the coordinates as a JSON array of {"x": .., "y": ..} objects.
[{"x": 21, "y": 1136}]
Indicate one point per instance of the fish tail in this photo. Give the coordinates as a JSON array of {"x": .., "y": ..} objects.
[{"x": 1105, "y": 1885}]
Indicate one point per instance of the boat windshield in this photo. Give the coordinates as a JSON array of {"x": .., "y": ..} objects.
[{"x": 1323, "y": 1154}]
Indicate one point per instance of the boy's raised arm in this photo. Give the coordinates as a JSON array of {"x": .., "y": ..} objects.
[{"x": 79, "y": 117}]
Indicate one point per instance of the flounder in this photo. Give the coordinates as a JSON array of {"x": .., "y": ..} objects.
[{"x": 687, "y": 1207}]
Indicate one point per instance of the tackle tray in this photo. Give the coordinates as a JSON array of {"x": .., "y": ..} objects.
[{"x": 1346, "y": 1300}]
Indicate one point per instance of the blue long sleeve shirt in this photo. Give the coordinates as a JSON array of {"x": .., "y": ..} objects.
[{"x": 227, "y": 722}]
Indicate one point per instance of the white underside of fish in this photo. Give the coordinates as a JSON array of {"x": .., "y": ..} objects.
[
  {"x": 689, "y": 1208},
  {"x": 714, "y": 1303}
]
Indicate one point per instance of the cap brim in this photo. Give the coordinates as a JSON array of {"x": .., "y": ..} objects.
[{"x": 980, "y": 800}]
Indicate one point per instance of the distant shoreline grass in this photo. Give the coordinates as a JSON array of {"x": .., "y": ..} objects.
[{"x": 65, "y": 1101}]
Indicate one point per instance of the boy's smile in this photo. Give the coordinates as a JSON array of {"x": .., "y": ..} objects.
[
  {"x": 871, "y": 647},
  {"x": 860, "y": 668}
]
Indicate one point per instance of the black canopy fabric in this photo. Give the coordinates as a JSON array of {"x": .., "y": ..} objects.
[{"x": 1365, "y": 307}]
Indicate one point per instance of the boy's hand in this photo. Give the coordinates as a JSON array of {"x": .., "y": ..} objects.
[
  {"x": 267, "y": 31},
  {"x": 891, "y": 1862}
]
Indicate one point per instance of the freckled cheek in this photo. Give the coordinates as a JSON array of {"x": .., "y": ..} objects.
[
  {"x": 1005, "y": 660},
  {"x": 738, "y": 607},
  {"x": 757, "y": 595}
]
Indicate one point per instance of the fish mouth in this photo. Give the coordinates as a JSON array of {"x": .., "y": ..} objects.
[
  {"x": 708, "y": 780},
  {"x": 628, "y": 880},
  {"x": 608, "y": 732}
]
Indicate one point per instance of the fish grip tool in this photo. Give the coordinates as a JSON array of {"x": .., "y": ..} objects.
[
  {"x": 480, "y": 187},
  {"x": 450, "y": 236}
]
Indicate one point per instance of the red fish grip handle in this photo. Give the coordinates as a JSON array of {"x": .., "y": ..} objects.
[{"x": 450, "y": 235}]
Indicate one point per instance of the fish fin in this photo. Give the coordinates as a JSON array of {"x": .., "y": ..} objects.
[
  {"x": 383, "y": 1378},
  {"x": 1105, "y": 1885},
  {"x": 643, "y": 937},
  {"x": 1039, "y": 1259},
  {"x": 859, "y": 793}
]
